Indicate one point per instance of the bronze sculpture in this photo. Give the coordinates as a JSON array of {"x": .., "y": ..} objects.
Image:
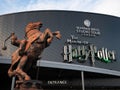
[{"x": 29, "y": 49}]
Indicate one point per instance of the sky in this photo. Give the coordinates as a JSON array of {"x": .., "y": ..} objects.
[{"x": 109, "y": 7}]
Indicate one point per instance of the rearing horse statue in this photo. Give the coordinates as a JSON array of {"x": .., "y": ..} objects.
[{"x": 29, "y": 49}]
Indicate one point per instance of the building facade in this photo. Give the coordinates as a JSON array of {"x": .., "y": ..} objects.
[{"x": 89, "y": 46}]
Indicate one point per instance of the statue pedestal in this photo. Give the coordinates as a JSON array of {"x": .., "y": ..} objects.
[{"x": 30, "y": 85}]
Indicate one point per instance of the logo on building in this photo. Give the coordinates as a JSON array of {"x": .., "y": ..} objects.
[
  {"x": 86, "y": 30},
  {"x": 87, "y": 23}
]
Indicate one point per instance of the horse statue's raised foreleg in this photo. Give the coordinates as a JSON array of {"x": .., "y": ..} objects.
[{"x": 48, "y": 35}]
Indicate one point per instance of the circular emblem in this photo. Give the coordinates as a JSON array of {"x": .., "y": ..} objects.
[{"x": 87, "y": 23}]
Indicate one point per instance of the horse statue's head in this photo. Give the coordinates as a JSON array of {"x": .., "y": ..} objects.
[{"x": 32, "y": 28}]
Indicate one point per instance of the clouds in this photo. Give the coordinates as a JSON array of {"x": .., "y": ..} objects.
[
  {"x": 110, "y": 7},
  {"x": 60, "y": 5},
  {"x": 11, "y": 6}
]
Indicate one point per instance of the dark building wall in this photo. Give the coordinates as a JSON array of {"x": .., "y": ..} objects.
[{"x": 66, "y": 22}]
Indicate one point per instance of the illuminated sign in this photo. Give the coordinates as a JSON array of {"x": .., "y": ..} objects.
[
  {"x": 83, "y": 52},
  {"x": 57, "y": 82}
]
